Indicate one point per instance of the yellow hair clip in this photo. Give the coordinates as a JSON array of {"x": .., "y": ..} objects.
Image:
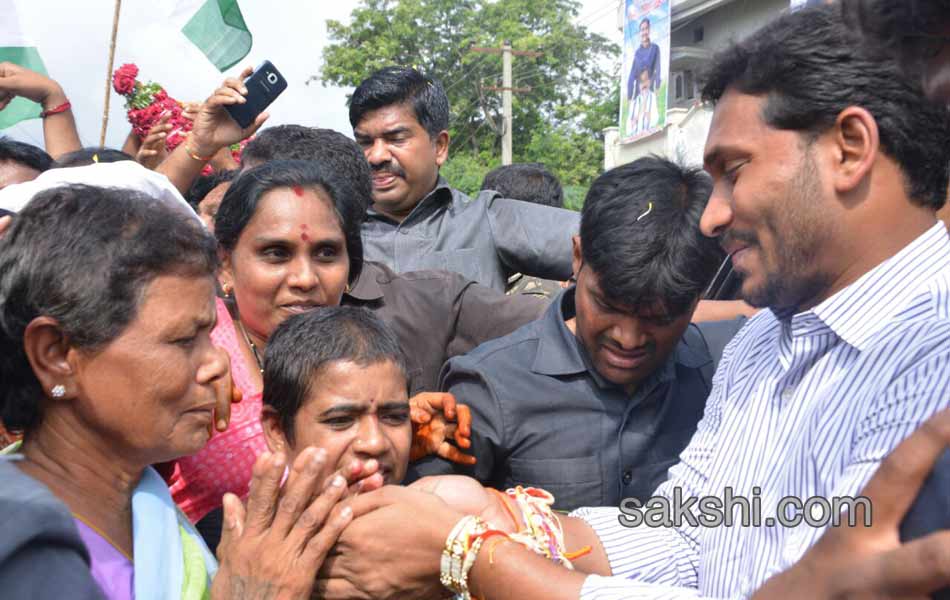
[{"x": 648, "y": 210}]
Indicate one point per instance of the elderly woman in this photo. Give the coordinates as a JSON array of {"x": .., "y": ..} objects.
[
  {"x": 289, "y": 237},
  {"x": 107, "y": 364}
]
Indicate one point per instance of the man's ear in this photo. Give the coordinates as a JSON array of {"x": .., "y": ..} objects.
[
  {"x": 578, "y": 259},
  {"x": 50, "y": 356},
  {"x": 276, "y": 440},
  {"x": 441, "y": 147},
  {"x": 855, "y": 145}
]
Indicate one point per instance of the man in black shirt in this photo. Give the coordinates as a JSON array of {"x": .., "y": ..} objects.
[{"x": 594, "y": 401}]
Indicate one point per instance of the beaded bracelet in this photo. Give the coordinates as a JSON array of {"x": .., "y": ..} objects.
[
  {"x": 540, "y": 531},
  {"x": 458, "y": 556}
]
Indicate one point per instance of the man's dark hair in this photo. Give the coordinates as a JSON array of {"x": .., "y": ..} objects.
[
  {"x": 645, "y": 20},
  {"x": 84, "y": 255},
  {"x": 640, "y": 235},
  {"x": 332, "y": 149},
  {"x": 205, "y": 183},
  {"x": 812, "y": 65},
  {"x": 908, "y": 29},
  {"x": 403, "y": 85},
  {"x": 305, "y": 344},
  {"x": 530, "y": 182},
  {"x": 242, "y": 198},
  {"x": 90, "y": 156},
  {"x": 25, "y": 154}
]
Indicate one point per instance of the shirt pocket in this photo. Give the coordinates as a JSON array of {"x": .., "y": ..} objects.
[
  {"x": 574, "y": 482},
  {"x": 465, "y": 261}
]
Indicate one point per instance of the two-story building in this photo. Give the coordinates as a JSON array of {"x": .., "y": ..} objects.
[{"x": 698, "y": 29}]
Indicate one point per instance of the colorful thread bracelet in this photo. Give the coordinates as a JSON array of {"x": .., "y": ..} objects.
[
  {"x": 542, "y": 532},
  {"x": 55, "y": 111}
]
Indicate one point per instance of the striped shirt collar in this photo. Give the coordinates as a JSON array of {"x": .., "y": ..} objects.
[{"x": 859, "y": 311}]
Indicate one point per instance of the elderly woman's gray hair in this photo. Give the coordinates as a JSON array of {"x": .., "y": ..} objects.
[{"x": 83, "y": 255}]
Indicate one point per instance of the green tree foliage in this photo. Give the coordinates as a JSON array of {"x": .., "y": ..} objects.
[{"x": 558, "y": 123}]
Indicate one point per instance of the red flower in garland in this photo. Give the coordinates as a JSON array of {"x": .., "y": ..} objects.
[
  {"x": 124, "y": 79},
  {"x": 146, "y": 103}
]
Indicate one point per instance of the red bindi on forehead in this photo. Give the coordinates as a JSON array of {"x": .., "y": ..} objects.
[
  {"x": 298, "y": 190},
  {"x": 303, "y": 233}
]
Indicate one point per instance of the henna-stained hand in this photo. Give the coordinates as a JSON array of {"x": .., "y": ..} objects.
[{"x": 437, "y": 418}]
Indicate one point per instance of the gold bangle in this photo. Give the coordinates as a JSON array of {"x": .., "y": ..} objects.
[{"x": 195, "y": 155}]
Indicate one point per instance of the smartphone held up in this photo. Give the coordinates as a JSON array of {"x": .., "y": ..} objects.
[{"x": 263, "y": 87}]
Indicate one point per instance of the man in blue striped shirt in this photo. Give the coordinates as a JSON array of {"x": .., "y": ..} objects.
[
  {"x": 826, "y": 182},
  {"x": 828, "y": 166}
]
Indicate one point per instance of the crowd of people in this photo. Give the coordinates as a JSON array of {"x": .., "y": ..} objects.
[{"x": 326, "y": 372}]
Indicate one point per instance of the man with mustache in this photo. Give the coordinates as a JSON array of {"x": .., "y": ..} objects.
[
  {"x": 828, "y": 164},
  {"x": 434, "y": 314},
  {"x": 400, "y": 118},
  {"x": 595, "y": 400}
]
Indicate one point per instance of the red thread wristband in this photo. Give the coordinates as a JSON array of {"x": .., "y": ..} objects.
[{"x": 55, "y": 111}]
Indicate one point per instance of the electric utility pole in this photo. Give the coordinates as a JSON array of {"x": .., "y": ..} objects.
[{"x": 506, "y": 90}]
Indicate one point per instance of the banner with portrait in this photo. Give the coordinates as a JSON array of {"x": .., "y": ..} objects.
[{"x": 646, "y": 68}]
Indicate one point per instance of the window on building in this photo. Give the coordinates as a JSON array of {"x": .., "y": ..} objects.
[{"x": 689, "y": 91}]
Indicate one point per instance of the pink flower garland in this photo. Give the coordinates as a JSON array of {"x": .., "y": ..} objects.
[{"x": 146, "y": 103}]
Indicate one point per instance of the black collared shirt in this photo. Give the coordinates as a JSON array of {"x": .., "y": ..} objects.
[
  {"x": 437, "y": 315},
  {"x": 542, "y": 416},
  {"x": 486, "y": 238}
]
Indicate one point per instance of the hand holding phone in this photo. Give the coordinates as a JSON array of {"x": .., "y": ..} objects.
[
  {"x": 214, "y": 127},
  {"x": 263, "y": 87}
]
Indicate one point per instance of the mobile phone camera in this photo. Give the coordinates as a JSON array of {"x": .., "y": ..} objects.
[{"x": 272, "y": 78}]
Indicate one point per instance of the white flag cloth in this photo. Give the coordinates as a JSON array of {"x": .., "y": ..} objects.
[{"x": 124, "y": 174}]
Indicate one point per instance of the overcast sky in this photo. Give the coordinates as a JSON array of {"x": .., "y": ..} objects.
[{"x": 73, "y": 41}]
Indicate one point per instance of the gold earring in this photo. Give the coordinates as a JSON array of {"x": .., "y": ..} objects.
[{"x": 226, "y": 289}]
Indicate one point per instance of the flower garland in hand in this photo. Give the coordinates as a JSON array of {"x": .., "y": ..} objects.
[{"x": 145, "y": 103}]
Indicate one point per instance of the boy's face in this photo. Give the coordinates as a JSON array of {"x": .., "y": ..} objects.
[{"x": 353, "y": 412}]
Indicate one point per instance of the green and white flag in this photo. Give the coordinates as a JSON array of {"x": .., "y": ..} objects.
[
  {"x": 16, "y": 47},
  {"x": 217, "y": 28}
]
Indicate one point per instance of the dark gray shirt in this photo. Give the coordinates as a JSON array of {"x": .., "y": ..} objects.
[
  {"x": 486, "y": 238},
  {"x": 41, "y": 553},
  {"x": 542, "y": 416},
  {"x": 437, "y": 315}
]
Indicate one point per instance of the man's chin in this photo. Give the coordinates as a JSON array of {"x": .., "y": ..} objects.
[
  {"x": 753, "y": 295},
  {"x": 389, "y": 202}
]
